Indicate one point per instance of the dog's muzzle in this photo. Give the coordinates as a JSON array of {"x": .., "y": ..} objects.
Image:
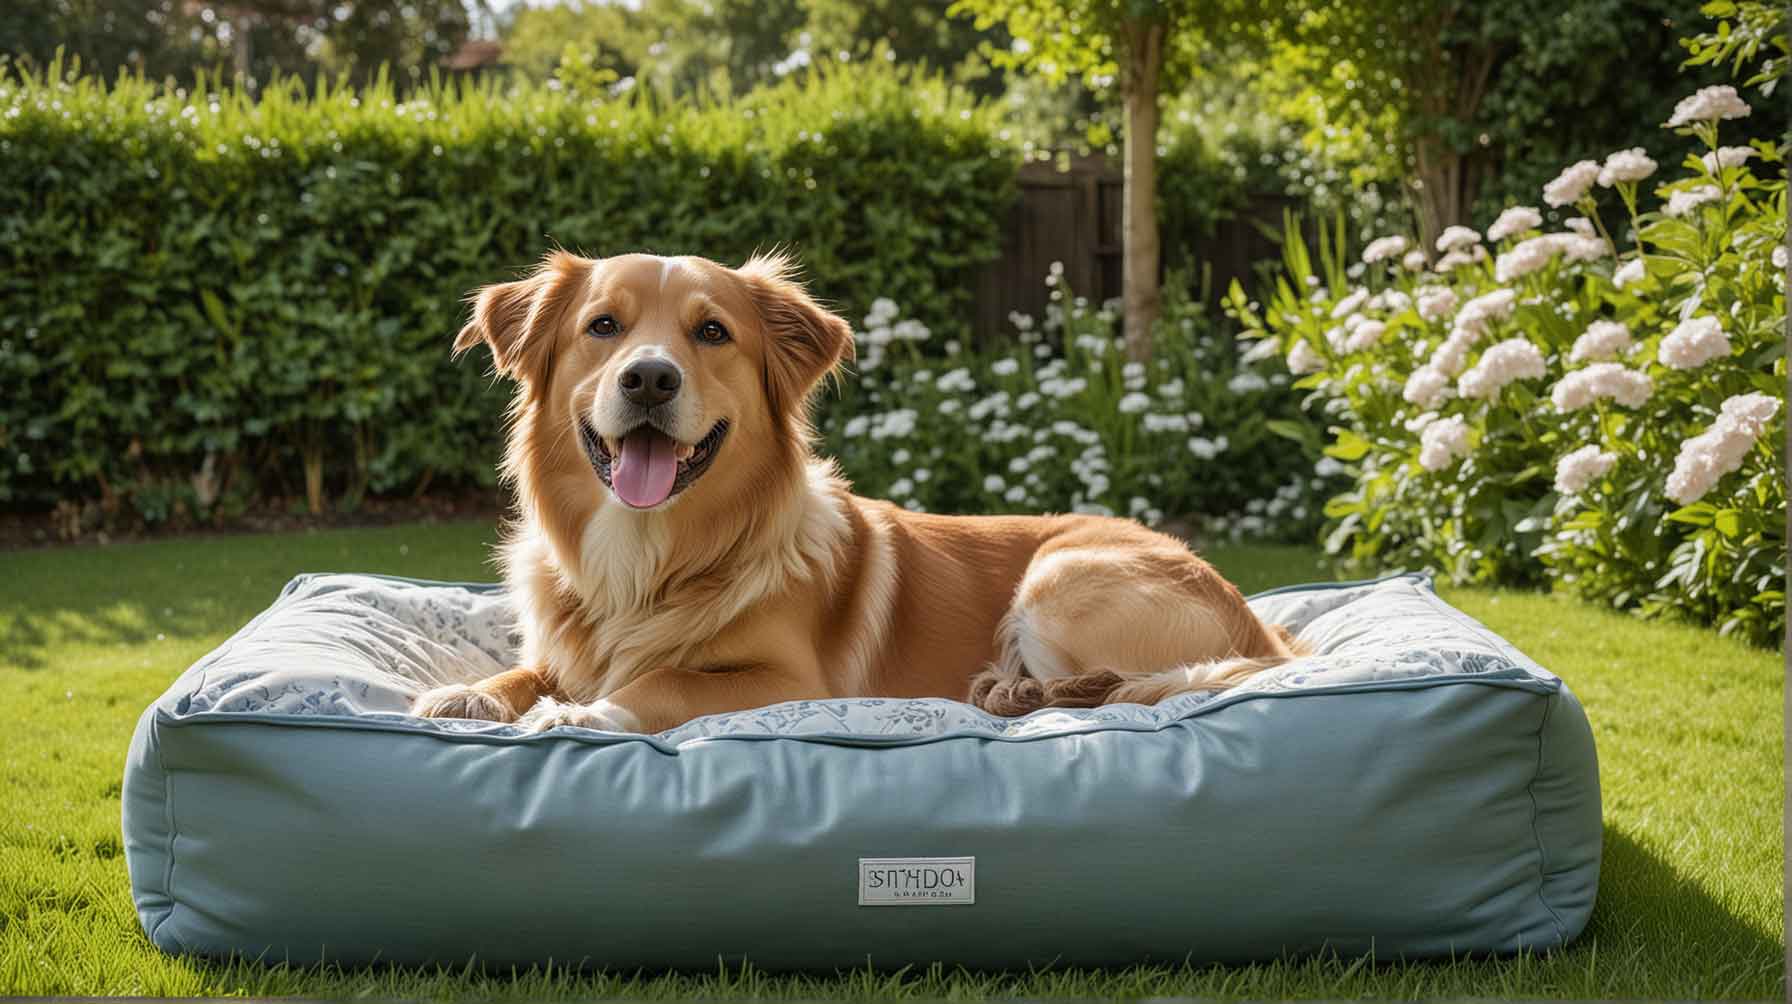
[{"x": 645, "y": 467}]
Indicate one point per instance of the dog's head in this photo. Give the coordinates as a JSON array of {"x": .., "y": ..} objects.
[{"x": 676, "y": 378}]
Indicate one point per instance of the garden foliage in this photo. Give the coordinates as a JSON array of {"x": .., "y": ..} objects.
[
  {"x": 209, "y": 299},
  {"x": 1606, "y": 414},
  {"x": 1059, "y": 421}
]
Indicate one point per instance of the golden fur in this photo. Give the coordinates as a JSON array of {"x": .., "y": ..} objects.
[{"x": 766, "y": 579}]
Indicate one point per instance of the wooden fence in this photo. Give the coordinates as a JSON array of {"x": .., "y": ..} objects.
[{"x": 1074, "y": 217}]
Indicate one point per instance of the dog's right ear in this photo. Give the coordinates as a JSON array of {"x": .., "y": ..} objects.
[{"x": 517, "y": 319}]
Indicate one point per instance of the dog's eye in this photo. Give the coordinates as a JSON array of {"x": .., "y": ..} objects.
[
  {"x": 604, "y": 326},
  {"x": 712, "y": 333}
]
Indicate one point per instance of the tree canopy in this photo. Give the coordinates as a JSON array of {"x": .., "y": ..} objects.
[{"x": 306, "y": 39}]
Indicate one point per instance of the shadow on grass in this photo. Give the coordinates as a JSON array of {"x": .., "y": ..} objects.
[
  {"x": 186, "y": 588},
  {"x": 1650, "y": 912}
]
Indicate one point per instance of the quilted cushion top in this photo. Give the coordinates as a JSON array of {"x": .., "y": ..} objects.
[{"x": 356, "y": 649}]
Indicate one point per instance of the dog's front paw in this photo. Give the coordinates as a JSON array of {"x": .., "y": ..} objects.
[
  {"x": 461, "y": 701},
  {"x": 601, "y": 715}
]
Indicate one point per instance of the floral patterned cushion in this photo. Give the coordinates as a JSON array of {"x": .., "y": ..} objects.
[{"x": 366, "y": 645}]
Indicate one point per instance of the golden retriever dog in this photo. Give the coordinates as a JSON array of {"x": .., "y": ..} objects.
[{"x": 680, "y": 550}]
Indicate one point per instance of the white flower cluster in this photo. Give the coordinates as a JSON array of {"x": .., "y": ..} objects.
[
  {"x": 1247, "y": 382},
  {"x": 1426, "y": 387},
  {"x": 1384, "y": 247},
  {"x": 1436, "y": 302},
  {"x": 1529, "y": 255},
  {"x": 1581, "y": 468},
  {"x": 1442, "y": 443},
  {"x": 1483, "y": 310},
  {"x": 1709, "y": 104},
  {"x": 1581, "y": 247},
  {"x": 1390, "y": 300},
  {"x": 882, "y": 328},
  {"x": 1601, "y": 340},
  {"x": 1455, "y": 238},
  {"x": 1054, "y": 384},
  {"x": 1512, "y": 359},
  {"x": 1706, "y": 458},
  {"x": 1206, "y": 449},
  {"x": 1693, "y": 343},
  {"x": 1574, "y": 182},
  {"x": 997, "y": 404},
  {"x": 1414, "y": 261},
  {"x": 1091, "y": 468},
  {"x": 1172, "y": 422},
  {"x": 1525, "y": 257},
  {"x": 1626, "y": 165},
  {"x": 1456, "y": 259},
  {"x": 1726, "y": 157},
  {"x": 1515, "y": 220},
  {"x": 1350, "y": 304},
  {"x": 1261, "y": 349},
  {"x": 1452, "y": 355},
  {"x": 1071, "y": 430},
  {"x": 1633, "y": 271},
  {"x": 1601, "y": 380},
  {"x": 1688, "y": 199},
  {"x": 1302, "y": 359},
  {"x": 1095, "y": 345},
  {"x": 955, "y": 381},
  {"x": 887, "y": 425},
  {"x": 1364, "y": 335}
]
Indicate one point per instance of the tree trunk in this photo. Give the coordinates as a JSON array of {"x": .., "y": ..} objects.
[
  {"x": 1144, "y": 61},
  {"x": 1446, "y": 183},
  {"x": 1437, "y": 171},
  {"x": 240, "y": 52},
  {"x": 1446, "y": 180}
]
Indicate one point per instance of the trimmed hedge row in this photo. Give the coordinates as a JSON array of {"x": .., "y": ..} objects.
[{"x": 205, "y": 299}]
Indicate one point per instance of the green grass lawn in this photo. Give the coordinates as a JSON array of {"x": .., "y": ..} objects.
[{"x": 1689, "y": 728}]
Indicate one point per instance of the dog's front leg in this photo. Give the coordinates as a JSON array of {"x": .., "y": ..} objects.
[
  {"x": 666, "y": 698},
  {"x": 500, "y": 698}
]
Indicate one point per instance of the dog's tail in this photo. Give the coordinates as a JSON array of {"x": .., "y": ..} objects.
[{"x": 1010, "y": 695}]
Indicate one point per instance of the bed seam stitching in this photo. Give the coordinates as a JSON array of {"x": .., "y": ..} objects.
[
  {"x": 155, "y": 737},
  {"x": 1549, "y": 707}
]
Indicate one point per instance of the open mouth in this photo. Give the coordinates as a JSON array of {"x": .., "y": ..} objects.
[{"x": 645, "y": 467}]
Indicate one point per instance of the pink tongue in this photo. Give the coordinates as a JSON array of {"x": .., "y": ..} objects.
[{"x": 645, "y": 468}]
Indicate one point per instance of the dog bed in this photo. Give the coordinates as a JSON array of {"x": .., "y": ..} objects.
[{"x": 1417, "y": 788}]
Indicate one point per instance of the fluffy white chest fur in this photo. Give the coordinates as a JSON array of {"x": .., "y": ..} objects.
[{"x": 621, "y": 607}]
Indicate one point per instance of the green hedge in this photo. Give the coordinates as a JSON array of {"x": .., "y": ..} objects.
[{"x": 205, "y": 299}]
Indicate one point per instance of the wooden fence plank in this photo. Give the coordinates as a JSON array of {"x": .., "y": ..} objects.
[{"x": 1074, "y": 217}]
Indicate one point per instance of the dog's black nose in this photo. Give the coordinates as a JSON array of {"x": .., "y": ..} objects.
[{"x": 650, "y": 382}]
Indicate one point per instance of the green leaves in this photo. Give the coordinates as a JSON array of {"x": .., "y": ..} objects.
[
  {"x": 1508, "y": 486},
  {"x": 1348, "y": 447},
  {"x": 284, "y": 277}
]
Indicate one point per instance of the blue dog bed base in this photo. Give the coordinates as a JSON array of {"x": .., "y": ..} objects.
[{"x": 1416, "y": 788}]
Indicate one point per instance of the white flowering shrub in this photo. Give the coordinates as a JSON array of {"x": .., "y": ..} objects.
[
  {"x": 1597, "y": 406},
  {"x": 1056, "y": 419}
]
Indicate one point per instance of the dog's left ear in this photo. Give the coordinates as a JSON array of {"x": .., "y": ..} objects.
[{"x": 805, "y": 341}]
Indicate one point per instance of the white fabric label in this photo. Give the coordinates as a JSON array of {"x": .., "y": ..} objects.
[{"x": 917, "y": 881}]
